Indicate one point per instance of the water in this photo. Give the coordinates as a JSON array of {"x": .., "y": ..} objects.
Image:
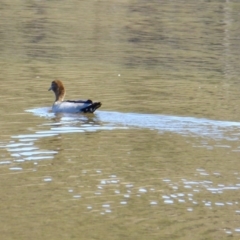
[{"x": 159, "y": 159}]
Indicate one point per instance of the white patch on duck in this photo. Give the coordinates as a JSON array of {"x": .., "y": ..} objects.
[{"x": 70, "y": 106}]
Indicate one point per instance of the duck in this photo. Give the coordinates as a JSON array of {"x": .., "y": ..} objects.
[{"x": 70, "y": 106}]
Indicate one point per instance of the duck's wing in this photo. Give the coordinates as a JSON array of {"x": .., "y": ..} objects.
[{"x": 80, "y": 101}]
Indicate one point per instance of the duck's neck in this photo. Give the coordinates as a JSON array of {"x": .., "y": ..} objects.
[{"x": 59, "y": 96}]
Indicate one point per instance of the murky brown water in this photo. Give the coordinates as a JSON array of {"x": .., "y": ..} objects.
[{"x": 160, "y": 159}]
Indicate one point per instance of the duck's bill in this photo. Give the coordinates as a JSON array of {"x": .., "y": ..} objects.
[{"x": 50, "y": 88}]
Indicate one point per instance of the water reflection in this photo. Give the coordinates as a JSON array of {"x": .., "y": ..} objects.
[
  {"x": 184, "y": 191},
  {"x": 23, "y": 147}
]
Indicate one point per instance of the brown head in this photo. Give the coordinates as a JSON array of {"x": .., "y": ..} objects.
[{"x": 59, "y": 90}]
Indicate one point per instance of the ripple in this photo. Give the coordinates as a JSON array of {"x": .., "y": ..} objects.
[
  {"x": 5, "y": 162},
  {"x": 166, "y": 180},
  {"x": 165, "y": 197},
  {"x": 30, "y": 136},
  {"x": 38, "y": 158},
  {"x": 214, "y": 189},
  {"x": 142, "y": 190},
  {"x": 231, "y": 188},
  {"x": 180, "y": 194},
  {"x": 114, "y": 181},
  {"x": 203, "y": 173},
  {"x": 200, "y": 170},
  {"x": 19, "y": 160},
  {"x": 21, "y": 149},
  {"x": 106, "y": 205},
  {"x": 48, "y": 179},
  {"x": 16, "y": 145},
  {"x": 77, "y": 196},
  {"x": 191, "y": 183},
  {"x": 228, "y": 232},
  {"x": 15, "y": 168}
]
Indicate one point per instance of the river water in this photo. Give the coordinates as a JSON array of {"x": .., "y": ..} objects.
[{"x": 159, "y": 159}]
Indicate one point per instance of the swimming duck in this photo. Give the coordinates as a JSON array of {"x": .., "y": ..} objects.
[{"x": 70, "y": 106}]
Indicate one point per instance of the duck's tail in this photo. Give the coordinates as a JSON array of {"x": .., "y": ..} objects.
[{"x": 92, "y": 108}]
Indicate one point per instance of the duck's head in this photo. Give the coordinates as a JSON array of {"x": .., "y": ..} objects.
[{"x": 59, "y": 90}]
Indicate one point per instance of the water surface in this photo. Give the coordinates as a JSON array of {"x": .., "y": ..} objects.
[{"x": 160, "y": 159}]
